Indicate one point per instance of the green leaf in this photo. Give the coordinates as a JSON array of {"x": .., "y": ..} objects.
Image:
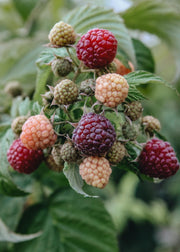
[
  {"x": 7, "y": 186},
  {"x": 69, "y": 222},
  {"x": 144, "y": 57},
  {"x": 158, "y": 17},
  {"x": 25, "y": 7},
  {"x": 36, "y": 109},
  {"x": 71, "y": 171},
  {"x": 87, "y": 17},
  {"x": 8, "y": 236},
  {"x": 24, "y": 107}
]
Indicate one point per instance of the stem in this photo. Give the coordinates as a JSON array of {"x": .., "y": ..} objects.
[
  {"x": 67, "y": 113},
  {"x": 67, "y": 49},
  {"x": 78, "y": 71}
]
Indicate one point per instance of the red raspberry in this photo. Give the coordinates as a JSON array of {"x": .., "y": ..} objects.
[
  {"x": 22, "y": 159},
  {"x": 97, "y": 48},
  {"x": 37, "y": 133},
  {"x": 158, "y": 159},
  {"x": 94, "y": 135},
  {"x": 95, "y": 171}
]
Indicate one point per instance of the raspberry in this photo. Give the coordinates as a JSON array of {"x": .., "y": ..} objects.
[
  {"x": 158, "y": 159},
  {"x": 95, "y": 171},
  {"x": 116, "y": 153},
  {"x": 61, "y": 67},
  {"x": 133, "y": 110},
  {"x": 62, "y": 34},
  {"x": 151, "y": 124},
  {"x": 111, "y": 89},
  {"x": 18, "y": 123},
  {"x": 52, "y": 164},
  {"x": 94, "y": 135},
  {"x": 37, "y": 133},
  {"x": 13, "y": 88},
  {"x": 121, "y": 69},
  {"x": 129, "y": 131},
  {"x": 87, "y": 87},
  {"x": 56, "y": 150},
  {"x": 22, "y": 159},
  {"x": 97, "y": 48},
  {"x": 69, "y": 153},
  {"x": 66, "y": 92}
]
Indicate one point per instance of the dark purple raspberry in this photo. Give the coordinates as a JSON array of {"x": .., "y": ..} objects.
[
  {"x": 94, "y": 135},
  {"x": 22, "y": 159},
  {"x": 97, "y": 48},
  {"x": 158, "y": 159}
]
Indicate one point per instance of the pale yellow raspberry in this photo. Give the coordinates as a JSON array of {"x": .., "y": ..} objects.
[
  {"x": 95, "y": 171},
  {"x": 111, "y": 89},
  {"x": 150, "y": 124}
]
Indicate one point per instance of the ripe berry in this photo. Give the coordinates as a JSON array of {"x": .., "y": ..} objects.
[
  {"x": 95, "y": 171},
  {"x": 111, "y": 89},
  {"x": 133, "y": 110},
  {"x": 66, "y": 92},
  {"x": 37, "y": 133},
  {"x": 122, "y": 69},
  {"x": 158, "y": 159},
  {"x": 94, "y": 135},
  {"x": 116, "y": 153},
  {"x": 97, "y": 48},
  {"x": 151, "y": 124},
  {"x": 87, "y": 87},
  {"x": 22, "y": 159},
  {"x": 129, "y": 131},
  {"x": 62, "y": 34},
  {"x": 69, "y": 153},
  {"x": 18, "y": 123},
  {"x": 61, "y": 67}
]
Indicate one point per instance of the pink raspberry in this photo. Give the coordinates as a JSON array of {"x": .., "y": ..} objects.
[
  {"x": 158, "y": 159},
  {"x": 111, "y": 89},
  {"x": 95, "y": 171},
  {"x": 37, "y": 133},
  {"x": 22, "y": 159},
  {"x": 94, "y": 135},
  {"x": 97, "y": 48}
]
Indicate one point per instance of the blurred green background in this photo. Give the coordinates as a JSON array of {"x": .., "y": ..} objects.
[{"x": 146, "y": 215}]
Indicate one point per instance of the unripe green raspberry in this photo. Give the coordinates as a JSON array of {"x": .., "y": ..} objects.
[
  {"x": 151, "y": 124},
  {"x": 13, "y": 88},
  {"x": 116, "y": 153},
  {"x": 69, "y": 153},
  {"x": 56, "y": 153},
  {"x": 66, "y": 92},
  {"x": 62, "y": 34},
  {"x": 87, "y": 87},
  {"x": 133, "y": 110},
  {"x": 129, "y": 131},
  {"x": 47, "y": 98},
  {"x": 61, "y": 67},
  {"x": 18, "y": 123},
  {"x": 52, "y": 164}
]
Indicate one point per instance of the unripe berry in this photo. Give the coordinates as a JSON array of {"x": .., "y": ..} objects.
[
  {"x": 133, "y": 110},
  {"x": 37, "y": 133},
  {"x": 66, "y": 92},
  {"x": 87, "y": 87},
  {"x": 95, "y": 171},
  {"x": 62, "y": 34},
  {"x": 69, "y": 153},
  {"x": 116, "y": 153},
  {"x": 151, "y": 124},
  {"x": 18, "y": 123},
  {"x": 13, "y": 88},
  {"x": 61, "y": 67},
  {"x": 47, "y": 98},
  {"x": 52, "y": 164},
  {"x": 129, "y": 131},
  {"x": 111, "y": 89},
  {"x": 56, "y": 153}
]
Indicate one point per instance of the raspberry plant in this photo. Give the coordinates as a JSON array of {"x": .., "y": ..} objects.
[{"x": 84, "y": 122}]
